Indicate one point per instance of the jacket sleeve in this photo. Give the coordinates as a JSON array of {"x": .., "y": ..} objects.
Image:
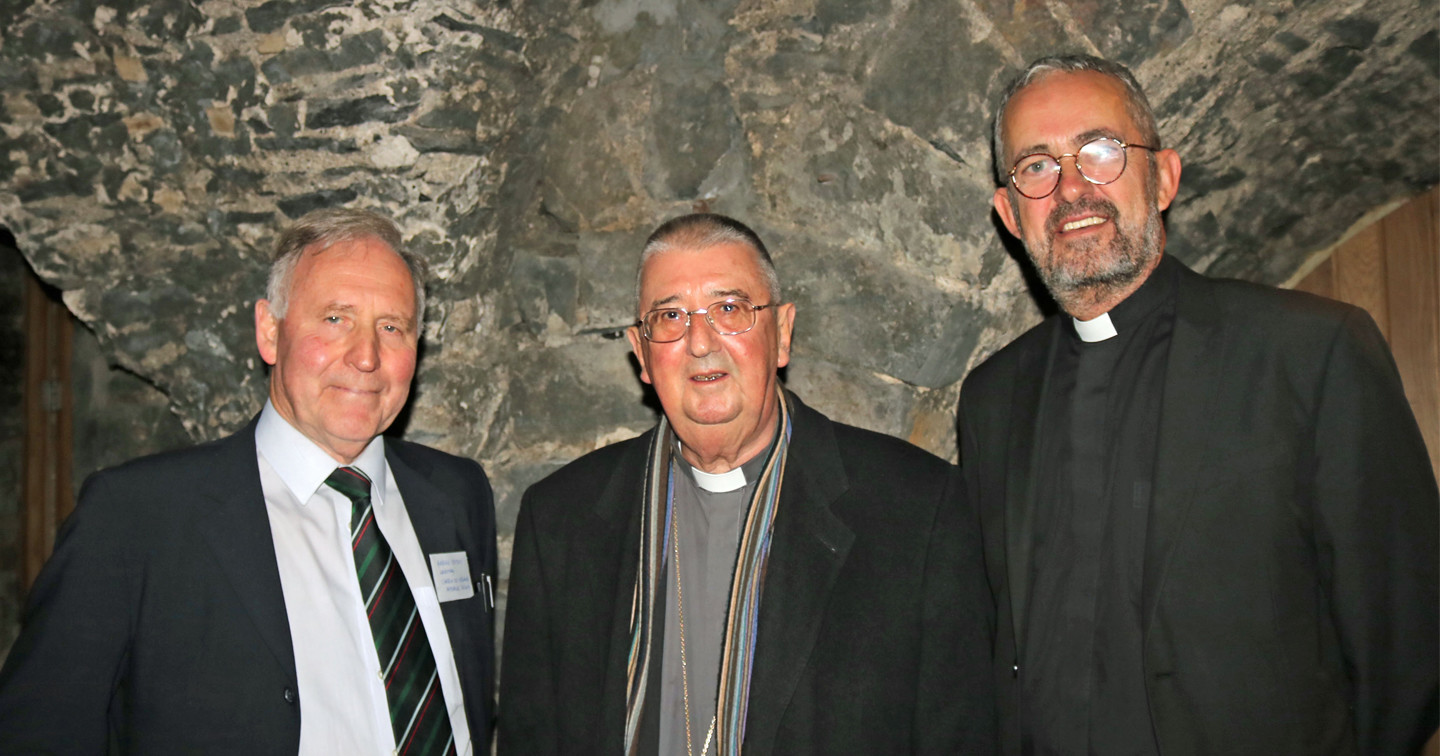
[
  {"x": 1376, "y": 540},
  {"x": 955, "y": 713},
  {"x": 528, "y": 722},
  {"x": 66, "y": 670},
  {"x": 481, "y": 713}
]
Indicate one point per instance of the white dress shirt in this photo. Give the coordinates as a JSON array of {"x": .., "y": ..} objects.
[{"x": 342, "y": 691}]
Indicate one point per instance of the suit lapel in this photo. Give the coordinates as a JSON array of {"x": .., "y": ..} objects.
[
  {"x": 593, "y": 561},
  {"x": 235, "y": 527},
  {"x": 445, "y": 521},
  {"x": 809, "y": 547},
  {"x": 439, "y": 526},
  {"x": 436, "y": 519},
  {"x": 1022, "y": 460},
  {"x": 1193, "y": 376}
]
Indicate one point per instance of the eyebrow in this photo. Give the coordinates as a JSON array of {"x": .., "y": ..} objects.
[
  {"x": 346, "y": 309},
  {"x": 719, "y": 294},
  {"x": 1082, "y": 138}
]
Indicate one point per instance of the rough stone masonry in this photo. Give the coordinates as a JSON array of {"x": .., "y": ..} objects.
[{"x": 150, "y": 151}]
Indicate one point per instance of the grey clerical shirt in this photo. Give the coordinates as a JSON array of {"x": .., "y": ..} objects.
[{"x": 709, "y": 523}]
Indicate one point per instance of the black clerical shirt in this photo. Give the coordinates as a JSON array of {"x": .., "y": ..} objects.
[{"x": 1081, "y": 665}]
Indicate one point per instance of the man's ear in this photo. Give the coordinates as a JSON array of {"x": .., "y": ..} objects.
[
  {"x": 267, "y": 332},
  {"x": 1006, "y": 209},
  {"x": 637, "y": 345},
  {"x": 1167, "y": 177},
  {"x": 785, "y": 329}
]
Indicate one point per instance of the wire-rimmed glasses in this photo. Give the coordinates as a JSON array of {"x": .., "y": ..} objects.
[
  {"x": 1100, "y": 161},
  {"x": 729, "y": 317}
]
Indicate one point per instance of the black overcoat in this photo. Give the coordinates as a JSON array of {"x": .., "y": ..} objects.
[
  {"x": 874, "y": 624},
  {"x": 1289, "y": 590}
]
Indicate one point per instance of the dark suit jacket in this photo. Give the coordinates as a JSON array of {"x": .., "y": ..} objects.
[
  {"x": 1289, "y": 586},
  {"x": 874, "y": 620},
  {"x": 159, "y": 625}
]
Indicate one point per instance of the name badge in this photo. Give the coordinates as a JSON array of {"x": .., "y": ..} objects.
[{"x": 451, "y": 572}]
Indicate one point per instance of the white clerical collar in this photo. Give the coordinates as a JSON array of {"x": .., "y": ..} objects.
[
  {"x": 303, "y": 465},
  {"x": 1095, "y": 329},
  {"x": 731, "y": 480}
]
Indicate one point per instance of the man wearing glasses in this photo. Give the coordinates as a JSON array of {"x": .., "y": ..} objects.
[
  {"x": 748, "y": 574},
  {"x": 1209, "y": 518}
]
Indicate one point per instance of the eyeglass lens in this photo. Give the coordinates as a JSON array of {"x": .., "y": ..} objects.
[
  {"x": 728, "y": 318},
  {"x": 1100, "y": 161}
]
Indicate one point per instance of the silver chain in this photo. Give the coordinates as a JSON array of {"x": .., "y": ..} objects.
[{"x": 680, "y": 610}]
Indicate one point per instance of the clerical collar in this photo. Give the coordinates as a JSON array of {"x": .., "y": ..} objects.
[
  {"x": 1157, "y": 289},
  {"x": 730, "y": 480},
  {"x": 1095, "y": 329}
]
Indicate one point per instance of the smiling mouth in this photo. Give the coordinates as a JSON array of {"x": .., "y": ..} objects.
[
  {"x": 707, "y": 377},
  {"x": 1076, "y": 225},
  {"x": 360, "y": 390}
]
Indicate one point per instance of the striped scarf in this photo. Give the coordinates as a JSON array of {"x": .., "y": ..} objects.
[{"x": 742, "y": 616}]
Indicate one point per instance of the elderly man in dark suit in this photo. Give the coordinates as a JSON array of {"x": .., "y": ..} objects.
[
  {"x": 304, "y": 585},
  {"x": 747, "y": 577},
  {"x": 1209, "y": 517}
]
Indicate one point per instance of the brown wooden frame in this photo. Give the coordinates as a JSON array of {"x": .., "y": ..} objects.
[{"x": 46, "y": 496}]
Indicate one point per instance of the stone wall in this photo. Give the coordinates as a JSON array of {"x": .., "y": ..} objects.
[
  {"x": 117, "y": 414},
  {"x": 151, "y": 151}
]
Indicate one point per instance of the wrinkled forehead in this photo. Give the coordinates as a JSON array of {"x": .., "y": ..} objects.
[
  {"x": 1064, "y": 109},
  {"x": 364, "y": 260},
  {"x": 716, "y": 271}
]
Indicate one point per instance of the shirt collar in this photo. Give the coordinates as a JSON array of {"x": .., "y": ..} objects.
[
  {"x": 730, "y": 480},
  {"x": 303, "y": 466},
  {"x": 1095, "y": 329},
  {"x": 1158, "y": 288}
]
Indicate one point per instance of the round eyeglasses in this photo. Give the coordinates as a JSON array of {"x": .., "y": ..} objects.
[
  {"x": 1100, "y": 161},
  {"x": 729, "y": 317}
]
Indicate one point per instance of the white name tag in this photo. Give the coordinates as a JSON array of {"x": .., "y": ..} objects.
[{"x": 452, "y": 576}]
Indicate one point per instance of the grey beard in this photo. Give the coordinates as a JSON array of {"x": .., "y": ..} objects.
[{"x": 1129, "y": 257}]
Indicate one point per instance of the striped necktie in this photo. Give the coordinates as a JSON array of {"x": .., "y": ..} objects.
[{"x": 417, "y": 706}]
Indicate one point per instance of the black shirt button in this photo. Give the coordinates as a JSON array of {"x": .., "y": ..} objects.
[{"x": 291, "y": 696}]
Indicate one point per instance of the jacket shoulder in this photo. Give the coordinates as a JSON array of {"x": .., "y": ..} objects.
[
  {"x": 437, "y": 463},
  {"x": 1233, "y": 294},
  {"x": 866, "y": 449},
  {"x": 587, "y": 476},
  {"x": 868, "y": 459},
  {"x": 1293, "y": 321},
  {"x": 997, "y": 371},
  {"x": 176, "y": 468}
]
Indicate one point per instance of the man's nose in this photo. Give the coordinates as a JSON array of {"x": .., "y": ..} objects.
[
  {"x": 700, "y": 337},
  {"x": 1072, "y": 184},
  {"x": 364, "y": 352}
]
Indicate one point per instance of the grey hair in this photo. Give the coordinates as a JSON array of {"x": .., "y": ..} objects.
[
  {"x": 318, "y": 230},
  {"x": 700, "y": 231},
  {"x": 1136, "y": 105}
]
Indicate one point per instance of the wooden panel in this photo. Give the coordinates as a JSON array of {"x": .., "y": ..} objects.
[
  {"x": 1392, "y": 269},
  {"x": 1360, "y": 274},
  {"x": 1412, "y": 246},
  {"x": 46, "y": 496},
  {"x": 1321, "y": 281}
]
